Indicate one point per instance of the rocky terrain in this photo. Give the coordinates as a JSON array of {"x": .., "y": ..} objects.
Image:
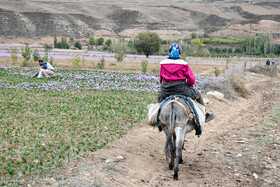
[{"x": 171, "y": 19}]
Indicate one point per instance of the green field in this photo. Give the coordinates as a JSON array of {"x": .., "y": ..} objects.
[{"x": 43, "y": 130}]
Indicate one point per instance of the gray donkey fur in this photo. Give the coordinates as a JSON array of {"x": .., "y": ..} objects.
[{"x": 176, "y": 120}]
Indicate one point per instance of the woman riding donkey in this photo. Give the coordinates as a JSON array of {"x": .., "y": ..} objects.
[{"x": 176, "y": 78}]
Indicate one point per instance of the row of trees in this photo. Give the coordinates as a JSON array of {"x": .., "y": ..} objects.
[
  {"x": 148, "y": 43},
  {"x": 65, "y": 45}
]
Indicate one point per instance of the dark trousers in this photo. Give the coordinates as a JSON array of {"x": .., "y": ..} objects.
[{"x": 178, "y": 88}]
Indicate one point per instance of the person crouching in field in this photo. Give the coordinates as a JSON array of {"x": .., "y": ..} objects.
[
  {"x": 46, "y": 70},
  {"x": 177, "y": 78}
]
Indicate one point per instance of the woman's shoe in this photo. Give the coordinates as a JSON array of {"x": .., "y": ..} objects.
[{"x": 209, "y": 117}]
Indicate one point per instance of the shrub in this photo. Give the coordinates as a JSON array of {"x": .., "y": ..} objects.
[
  {"x": 271, "y": 55},
  {"x": 36, "y": 55},
  {"x": 228, "y": 61},
  {"x": 46, "y": 56},
  {"x": 120, "y": 56},
  {"x": 217, "y": 72},
  {"x": 101, "y": 63},
  {"x": 78, "y": 45},
  {"x": 14, "y": 56},
  {"x": 194, "y": 35},
  {"x": 48, "y": 47},
  {"x": 26, "y": 54},
  {"x": 52, "y": 62},
  {"x": 144, "y": 65},
  {"x": 107, "y": 48},
  {"x": 76, "y": 62},
  {"x": 205, "y": 35}
]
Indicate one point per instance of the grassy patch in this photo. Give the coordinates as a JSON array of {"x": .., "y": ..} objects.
[
  {"x": 43, "y": 130},
  {"x": 270, "y": 126},
  {"x": 276, "y": 115},
  {"x": 267, "y": 130}
]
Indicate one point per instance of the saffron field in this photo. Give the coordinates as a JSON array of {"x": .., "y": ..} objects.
[{"x": 46, "y": 123}]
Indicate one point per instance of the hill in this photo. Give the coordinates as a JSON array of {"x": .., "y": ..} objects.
[{"x": 171, "y": 19}]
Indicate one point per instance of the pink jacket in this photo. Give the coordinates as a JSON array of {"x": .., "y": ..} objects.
[{"x": 176, "y": 70}]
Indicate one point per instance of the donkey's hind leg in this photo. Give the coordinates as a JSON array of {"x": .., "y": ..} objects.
[
  {"x": 179, "y": 131},
  {"x": 169, "y": 148}
]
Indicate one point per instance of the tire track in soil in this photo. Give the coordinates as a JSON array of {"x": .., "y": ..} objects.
[{"x": 222, "y": 156}]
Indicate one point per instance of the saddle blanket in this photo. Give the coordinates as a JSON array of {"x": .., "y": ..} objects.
[{"x": 154, "y": 108}]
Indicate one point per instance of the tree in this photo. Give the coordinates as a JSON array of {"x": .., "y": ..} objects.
[
  {"x": 91, "y": 42},
  {"x": 100, "y": 41},
  {"x": 217, "y": 50},
  {"x": 71, "y": 41},
  {"x": 64, "y": 44},
  {"x": 224, "y": 50},
  {"x": 55, "y": 41},
  {"x": 108, "y": 42},
  {"x": 238, "y": 50},
  {"x": 147, "y": 43}
]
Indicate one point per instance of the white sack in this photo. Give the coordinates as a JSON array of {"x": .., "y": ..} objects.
[{"x": 152, "y": 113}]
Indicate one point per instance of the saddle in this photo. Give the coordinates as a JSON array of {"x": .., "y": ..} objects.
[{"x": 197, "y": 109}]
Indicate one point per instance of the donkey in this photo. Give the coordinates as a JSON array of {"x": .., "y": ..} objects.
[{"x": 176, "y": 119}]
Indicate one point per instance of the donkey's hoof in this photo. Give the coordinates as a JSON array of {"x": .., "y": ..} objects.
[
  {"x": 175, "y": 176},
  {"x": 181, "y": 161},
  {"x": 171, "y": 166}
]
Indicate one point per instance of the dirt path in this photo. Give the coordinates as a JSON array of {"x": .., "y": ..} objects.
[{"x": 225, "y": 155}]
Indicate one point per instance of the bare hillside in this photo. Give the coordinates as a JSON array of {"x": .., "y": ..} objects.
[{"x": 84, "y": 18}]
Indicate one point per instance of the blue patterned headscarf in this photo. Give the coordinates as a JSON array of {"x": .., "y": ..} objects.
[{"x": 175, "y": 51}]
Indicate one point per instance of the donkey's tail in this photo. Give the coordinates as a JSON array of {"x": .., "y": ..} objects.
[
  {"x": 172, "y": 120},
  {"x": 170, "y": 145}
]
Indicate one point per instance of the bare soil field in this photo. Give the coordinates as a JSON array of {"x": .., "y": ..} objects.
[{"x": 235, "y": 149}]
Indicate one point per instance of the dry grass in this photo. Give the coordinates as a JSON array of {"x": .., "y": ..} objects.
[
  {"x": 231, "y": 87},
  {"x": 271, "y": 70},
  {"x": 237, "y": 83}
]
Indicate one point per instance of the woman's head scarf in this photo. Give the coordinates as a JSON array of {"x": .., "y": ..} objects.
[{"x": 175, "y": 51}]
